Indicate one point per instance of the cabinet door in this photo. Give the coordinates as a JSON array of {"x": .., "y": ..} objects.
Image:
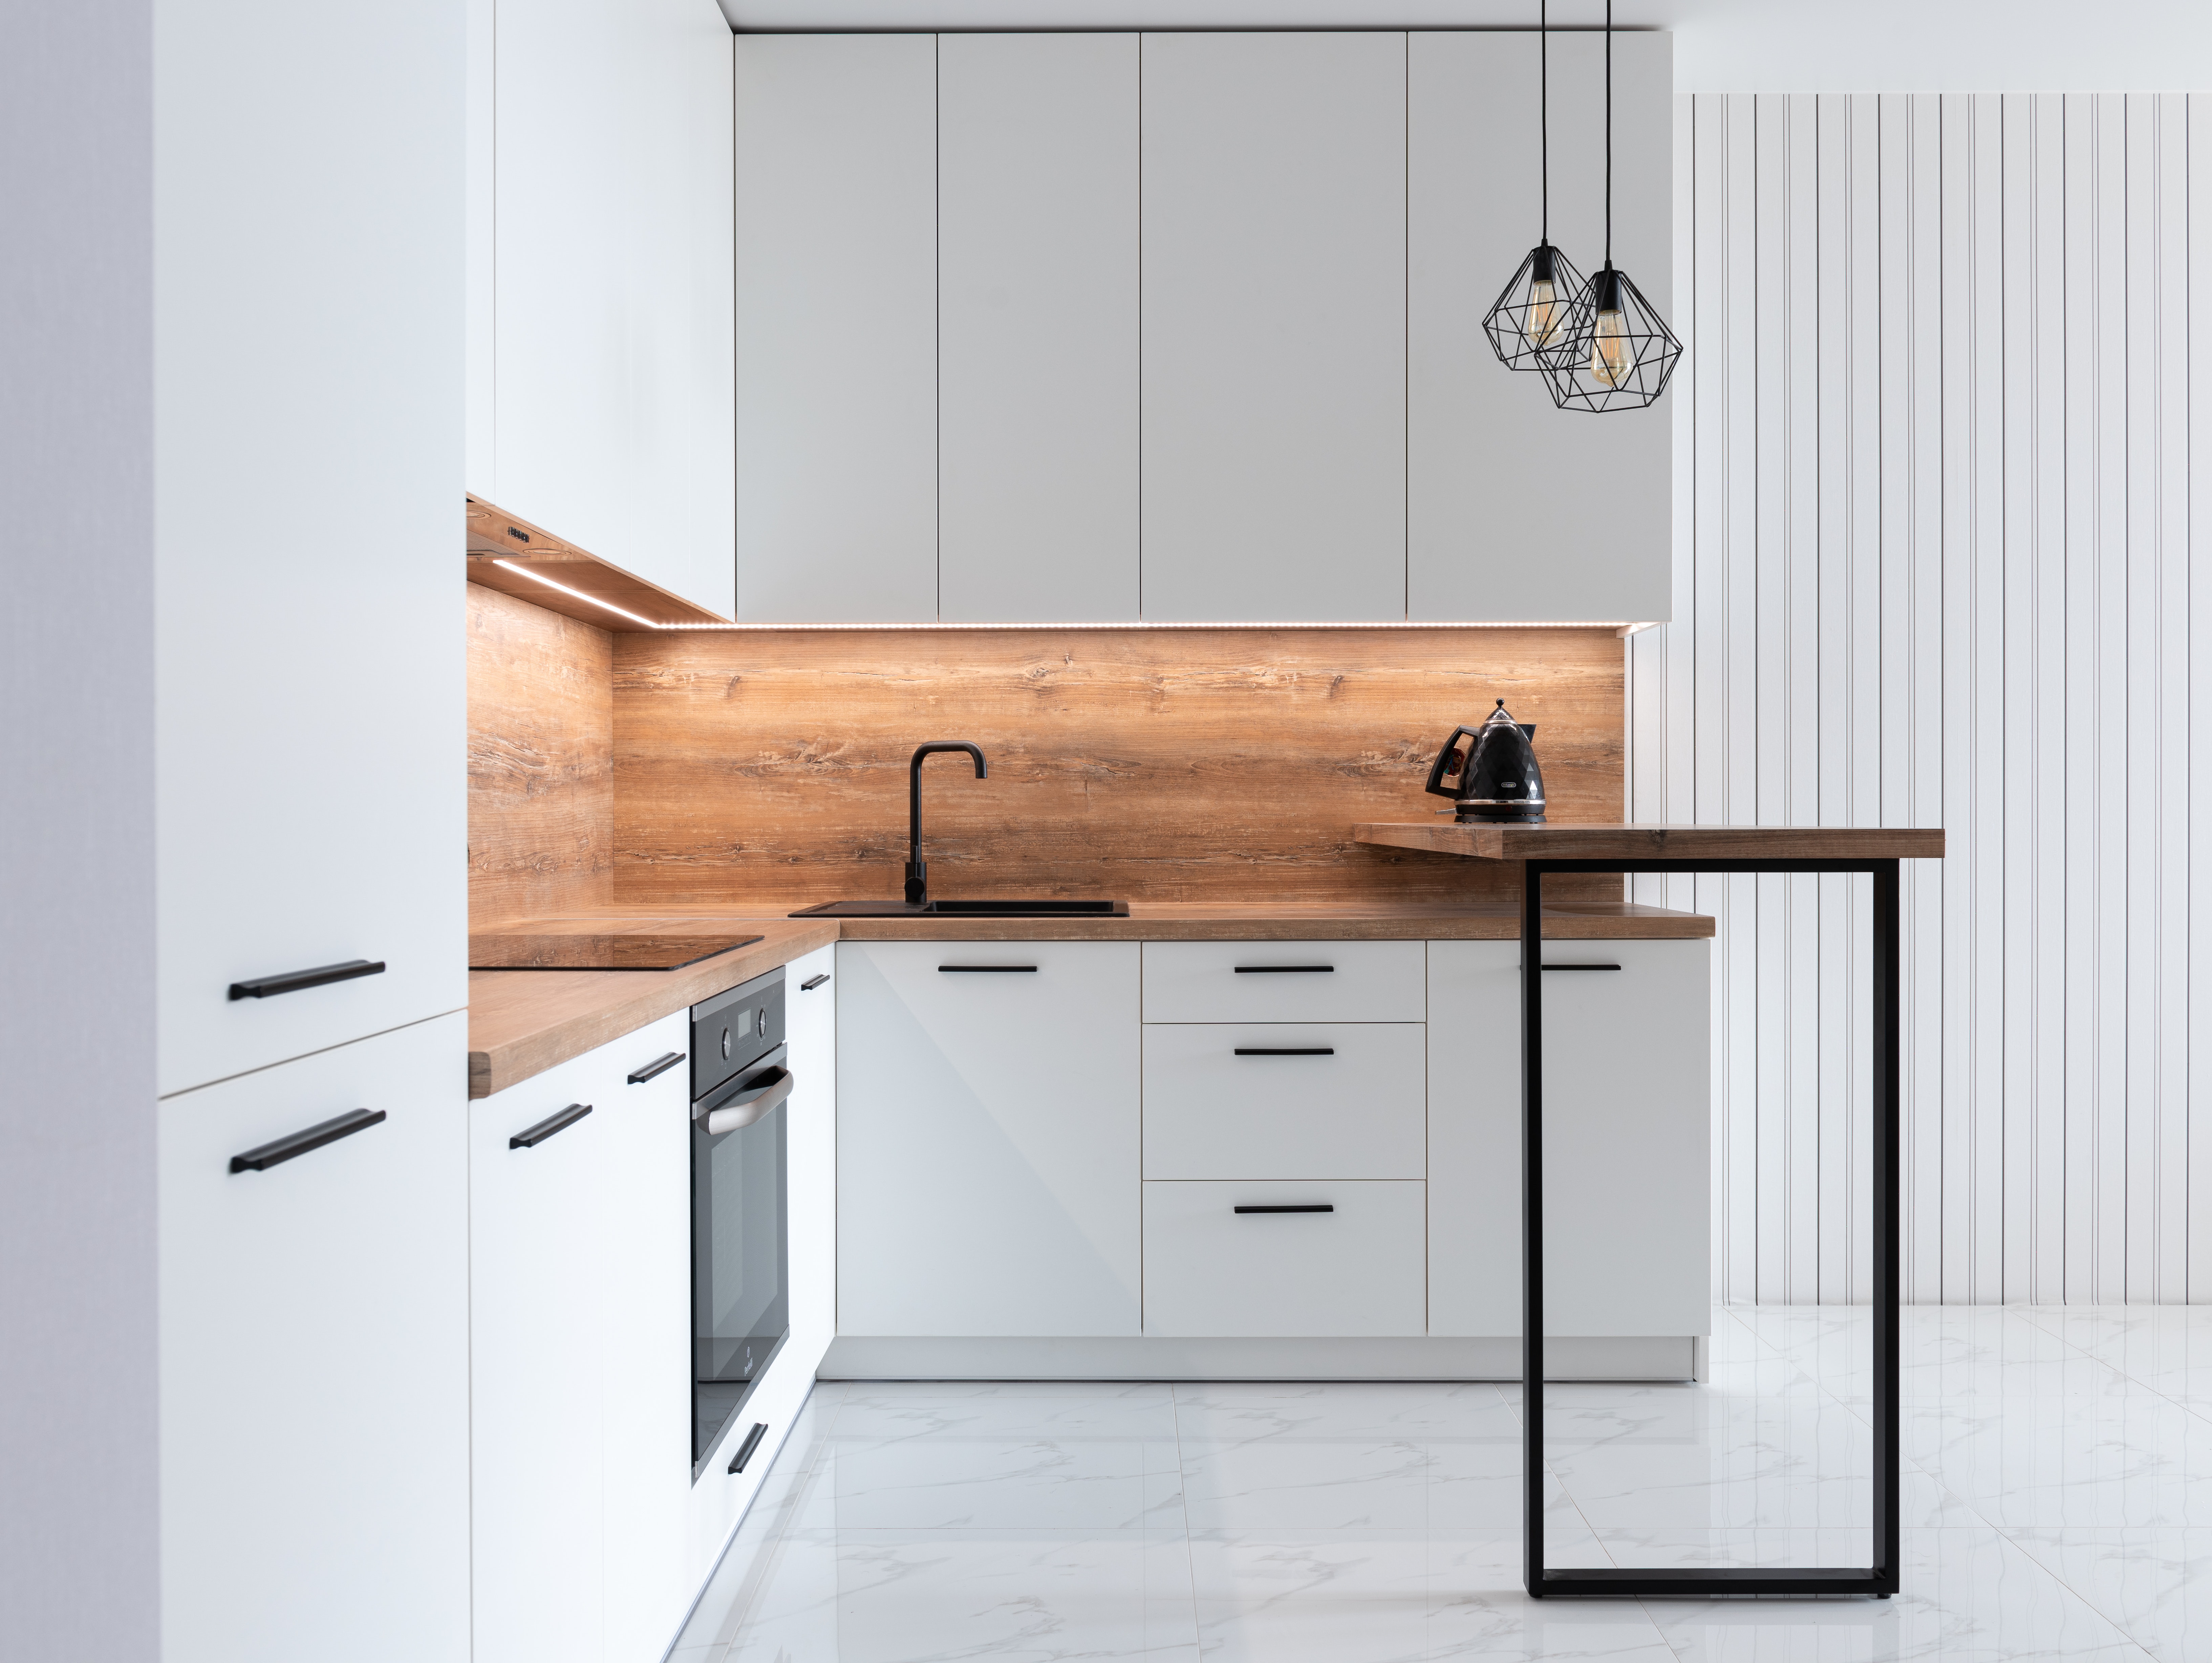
[
  {"x": 314, "y": 1361},
  {"x": 837, "y": 327},
  {"x": 308, "y": 342},
  {"x": 536, "y": 1230},
  {"x": 987, "y": 1133},
  {"x": 612, "y": 220},
  {"x": 1516, "y": 510},
  {"x": 1274, "y": 315},
  {"x": 643, "y": 1348},
  {"x": 1037, "y": 327},
  {"x": 1627, "y": 1111}
]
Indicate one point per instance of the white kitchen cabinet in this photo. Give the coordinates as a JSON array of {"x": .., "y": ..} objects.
[
  {"x": 643, "y": 1343},
  {"x": 308, "y": 393},
  {"x": 1285, "y": 1099},
  {"x": 837, "y": 327},
  {"x": 314, "y": 1359},
  {"x": 1273, "y": 320},
  {"x": 1352, "y": 1267},
  {"x": 612, "y": 209},
  {"x": 1037, "y": 327},
  {"x": 1284, "y": 981},
  {"x": 988, "y": 1134},
  {"x": 538, "y": 1234},
  {"x": 1516, "y": 510},
  {"x": 1627, "y": 1111}
]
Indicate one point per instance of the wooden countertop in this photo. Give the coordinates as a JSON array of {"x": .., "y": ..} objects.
[
  {"x": 524, "y": 1022},
  {"x": 1656, "y": 842}
]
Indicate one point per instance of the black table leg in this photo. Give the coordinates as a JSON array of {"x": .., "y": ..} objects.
[{"x": 1880, "y": 1579}]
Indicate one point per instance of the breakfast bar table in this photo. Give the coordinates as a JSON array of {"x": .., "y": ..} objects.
[{"x": 1545, "y": 849}]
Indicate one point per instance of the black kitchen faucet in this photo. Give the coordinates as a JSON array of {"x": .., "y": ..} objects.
[{"x": 917, "y": 870}]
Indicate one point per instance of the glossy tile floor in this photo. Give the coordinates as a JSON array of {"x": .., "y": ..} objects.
[{"x": 2058, "y": 1504}]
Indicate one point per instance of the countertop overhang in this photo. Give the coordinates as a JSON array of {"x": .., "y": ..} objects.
[
  {"x": 1631, "y": 841},
  {"x": 522, "y": 1023}
]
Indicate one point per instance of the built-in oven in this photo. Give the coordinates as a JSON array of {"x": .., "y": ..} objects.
[{"x": 740, "y": 1256}]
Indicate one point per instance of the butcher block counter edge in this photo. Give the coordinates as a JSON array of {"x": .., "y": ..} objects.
[
  {"x": 1655, "y": 842},
  {"x": 522, "y": 1023}
]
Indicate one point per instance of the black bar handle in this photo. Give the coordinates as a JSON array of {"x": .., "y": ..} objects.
[
  {"x": 325, "y": 1131},
  {"x": 656, "y": 1068},
  {"x": 1285, "y": 969},
  {"x": 1310, "y": 1207},
  {"x": 1576, "y": 967},
  {"x": 1287, "y": 1050},
  {"x": 813, "y": 982},
  {"x": 951, "y": 970},
  {"x": 262, "y": 987},
  {"x": 547, "y": 1127},
  {"x": 746, "y": 1450}
]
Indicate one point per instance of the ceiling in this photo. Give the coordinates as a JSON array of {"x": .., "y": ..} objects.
[{"x": 1720, "y": 45}]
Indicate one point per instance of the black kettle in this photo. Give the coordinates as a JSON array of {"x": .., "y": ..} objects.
[{"x": 1495, "y": 778}]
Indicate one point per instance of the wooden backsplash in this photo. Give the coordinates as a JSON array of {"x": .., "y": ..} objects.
[
  {"x": 769, "y": 768},
  {"x": 541, "y": 760}
]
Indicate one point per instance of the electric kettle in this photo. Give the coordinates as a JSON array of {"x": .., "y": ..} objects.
[{"x": 1495, "y": 777}]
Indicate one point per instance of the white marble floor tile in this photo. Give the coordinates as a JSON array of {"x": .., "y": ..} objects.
[
  {"x": 1379, "y": 1411},
  {"x": 1969, "y": 1596},
  {"x": 1056, "y": 1411},
  {"x": 2167, "y": 1348},
  {"x": 2135, "y": 1459},
  {"x": 958, "y": 1482},
  {"x": 2153, "y": 1584},
  {"x": 917, "y": 1597}
]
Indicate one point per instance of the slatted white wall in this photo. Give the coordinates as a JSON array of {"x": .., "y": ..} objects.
[{"x": 1943, "y": 447}]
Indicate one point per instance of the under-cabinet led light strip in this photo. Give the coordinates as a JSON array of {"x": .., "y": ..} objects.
[{"x": 539, "y": 577}]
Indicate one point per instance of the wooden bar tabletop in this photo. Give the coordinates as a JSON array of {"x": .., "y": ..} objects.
[
  {"x": 1655, "y": 842},
  {"x": 524, "y": 1022}
]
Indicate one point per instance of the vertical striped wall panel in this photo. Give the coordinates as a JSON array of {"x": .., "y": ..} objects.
[{"x": 1943, "y": 447}]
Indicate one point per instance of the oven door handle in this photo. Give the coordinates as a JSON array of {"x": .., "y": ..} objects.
[{"x": 748, "y": 1106}]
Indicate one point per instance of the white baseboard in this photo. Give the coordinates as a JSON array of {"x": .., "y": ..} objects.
[{"x": 887, "y": 1357}]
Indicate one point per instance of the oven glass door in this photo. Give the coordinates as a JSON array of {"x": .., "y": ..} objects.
[{"x": 740, "y": 1259}]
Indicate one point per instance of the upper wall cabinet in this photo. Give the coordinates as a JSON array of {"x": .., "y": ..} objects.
[
  {"x": 1516, "y": 511},
  {"x": 837, "y": 327},
  {"x": 1036, "y": 205},
  {"x": 1274, "y": 326},
  {"x": 601, "y": 408}
]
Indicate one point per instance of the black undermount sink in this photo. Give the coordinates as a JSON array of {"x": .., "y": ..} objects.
[{"x": 966, "y": 909}]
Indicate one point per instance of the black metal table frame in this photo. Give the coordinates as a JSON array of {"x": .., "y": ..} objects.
[{"x": 1880, "y": 1579}]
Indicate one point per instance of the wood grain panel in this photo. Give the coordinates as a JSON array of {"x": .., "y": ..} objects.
[
  {"x": 541, "y": 760},
  {"x": 1212, "y": 765}
]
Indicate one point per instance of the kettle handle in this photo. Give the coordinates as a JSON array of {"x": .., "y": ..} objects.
[{"x": 1436, "y": 787}]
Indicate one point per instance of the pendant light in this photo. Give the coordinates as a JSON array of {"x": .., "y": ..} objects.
[
  {"x": 1614, "y": 352},
  {"x": 1533, "y": 312}
]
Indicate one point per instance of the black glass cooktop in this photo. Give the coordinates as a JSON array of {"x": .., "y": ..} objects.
[{"x": 588, "y": 952}]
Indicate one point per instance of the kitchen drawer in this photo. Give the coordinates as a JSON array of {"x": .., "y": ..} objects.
[
  {"x": 1285, "y": 980},
  {"x": 1212, "y": 1113},
  {"x": 1359, "y": 1269}
]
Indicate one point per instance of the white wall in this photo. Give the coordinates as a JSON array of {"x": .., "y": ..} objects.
[
  {"x": 1935, "y": 448},
  {"x": 77, "y": 1526}
]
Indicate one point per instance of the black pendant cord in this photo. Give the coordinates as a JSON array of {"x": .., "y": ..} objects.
[
  {"x": 1544, "y": 109},
  {"x": 1608, "y": 134}
]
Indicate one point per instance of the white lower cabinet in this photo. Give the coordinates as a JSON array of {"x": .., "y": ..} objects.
[
  {"x": 1285, "y": 1100},
  {"x": 314, "y": 1361},
  {"x": 1325, "y": 1259},
  {"x": 988, "y": 1137},
  {"x": 1627, "y": 1111}
]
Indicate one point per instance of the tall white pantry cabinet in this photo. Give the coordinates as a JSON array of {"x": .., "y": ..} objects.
[{"x": 312, "y": 1172}]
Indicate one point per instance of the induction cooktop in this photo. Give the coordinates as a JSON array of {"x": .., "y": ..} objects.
[{"x": 595, "y": 952}]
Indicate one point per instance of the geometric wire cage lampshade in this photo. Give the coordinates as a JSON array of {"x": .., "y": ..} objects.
[
  {"x": 1613, "y": 350},
  {"x": 1533, "y": 312}
]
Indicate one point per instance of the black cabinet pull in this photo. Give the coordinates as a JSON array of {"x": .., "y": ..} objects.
[
  {"x": 1309, "y": 1206},
  {"x": 551, "y": 1124},
  {"x": 262, "y": 987},
  {"x": 326, "y": 1132},
  {"x": 656, "y": 1068},
  {"x": 1287, "y": 1050},
  {"x": 951, "y": 970},
  {"x": 1285, "y": 970},
  {"x": 746, "y": 1450},
  {"x": 813, "y": 982},
  {"x": 1575, "y": 966}
]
